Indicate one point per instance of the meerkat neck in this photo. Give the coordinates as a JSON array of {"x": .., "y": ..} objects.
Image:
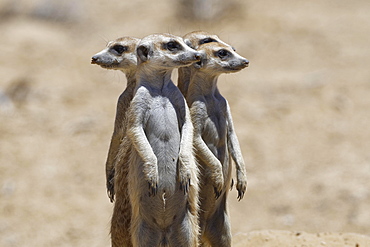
[
  {"x": 155, "y": 78},
  {"x": 203, "y": 83},
  {"x": 184, "y": 74},
  {"x": 131, "y": 78}
]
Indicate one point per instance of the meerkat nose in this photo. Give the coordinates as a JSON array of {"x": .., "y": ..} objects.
[
  {"x": 197, "y": 56},
  {"x": 246, "y": 62},
  {"x": 94, "y": 59}
]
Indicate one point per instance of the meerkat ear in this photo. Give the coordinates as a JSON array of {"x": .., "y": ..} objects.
[
  {"x": 142, "y": 53},
  {"x": 188, "y": 43}
]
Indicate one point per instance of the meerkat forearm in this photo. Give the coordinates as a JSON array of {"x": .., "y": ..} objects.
[
  {"x": 139, "y": 140},
  {"x": 209, "y": 159},
  {"x": 117, "y": 136},
  {"x": 206, "y": 155},
  {"x": 236, "y": 154},
  {"x": 186, "y": 145},
  {"x": 201, "y": 148},
  {"x": 123, "y": 151},
  {"x": 109, "y": 165},
  {"x": 186, "y": 152},
  {"x": 145, "y": 151}
]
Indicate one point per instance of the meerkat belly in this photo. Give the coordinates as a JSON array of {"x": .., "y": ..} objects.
[
  {"x": 162, "y": 131},
  {"x": 163, "y": 134}
]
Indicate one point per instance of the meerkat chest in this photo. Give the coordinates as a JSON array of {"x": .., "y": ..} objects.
[{"x": 162, "y": 124}]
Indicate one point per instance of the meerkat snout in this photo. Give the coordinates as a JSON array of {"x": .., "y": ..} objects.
[
  {"x": 99, "y": 60},
  {"x": 105, "y": 60},
  {"x": 244, "y": 63}
]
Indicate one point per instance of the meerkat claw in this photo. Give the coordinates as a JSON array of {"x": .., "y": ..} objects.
[
  {"x": 110, "y": 191},
  {"x": 185, "y": 186},
  {"x": 153, "y": 188},
  {"x": 217, "y": 193},
  {"x": 240, "y": 195}
]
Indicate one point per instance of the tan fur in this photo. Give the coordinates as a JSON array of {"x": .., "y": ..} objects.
[
  {"x": 194, "y": 40},
  {"x": 119, "y": 54},
  {"x": 163, "y": 183},
  {"x": 215, "y": 140}
]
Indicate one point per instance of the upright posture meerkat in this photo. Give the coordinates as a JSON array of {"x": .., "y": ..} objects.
[
  {"x": 194, "y": 40},
  {"x": 215, "y": 139},
  {"x": 119, "y": 54},
  {"x": 163, "y": 184}
]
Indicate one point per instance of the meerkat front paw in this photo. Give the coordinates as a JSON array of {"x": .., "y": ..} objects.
[
  {"x": 184, "y": 174},
  {"x": 153, "y": 188},
  {"x": 152, "y": 185},
  {"x": 110, "y": 185},
  {"x": 151, "y": 175},
  {"x": 241, "y": 186},
  {"x": 218, "y": 182}
]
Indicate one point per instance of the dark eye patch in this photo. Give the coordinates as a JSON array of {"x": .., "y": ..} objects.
[
  {"x": 120, "y": 49},
  {"x": 173, "y": 46},
  {"x": 206, "y": 40},
  {"x": 222, "y": 53}
]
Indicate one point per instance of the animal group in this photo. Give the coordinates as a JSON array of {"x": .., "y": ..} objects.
[{"x": 169, "y": 163}]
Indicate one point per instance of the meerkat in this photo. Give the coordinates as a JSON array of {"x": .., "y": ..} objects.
[
  {"x": 215, "y": 139},
  {"x": 163, "y": 183},
  {"x": 119, "y": 54},
  {"x": 194, "y": 40}
]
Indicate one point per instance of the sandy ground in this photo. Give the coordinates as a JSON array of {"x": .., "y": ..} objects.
[{"x": 301, "y": 111}]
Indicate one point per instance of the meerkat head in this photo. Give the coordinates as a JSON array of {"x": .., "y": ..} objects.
[
  {"x": 119, "y": 54},
  {"x": 197, "y": 38},
  {"x": 165, "y": 51},
  {"x": 217, "y": 58}
]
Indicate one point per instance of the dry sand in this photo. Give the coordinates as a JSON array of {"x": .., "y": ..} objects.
[{"x": 301, "y": 111}]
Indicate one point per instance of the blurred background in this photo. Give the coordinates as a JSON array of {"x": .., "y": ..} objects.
[{"x": 301, "y": 111}]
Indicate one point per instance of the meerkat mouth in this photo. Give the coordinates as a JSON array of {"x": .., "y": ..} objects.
[
  {"x": 104, "y": 63},
  {"x": 236, "y": 67},
  {"x": 108, "y": 66},
  {"x": 186, "y": 63}
]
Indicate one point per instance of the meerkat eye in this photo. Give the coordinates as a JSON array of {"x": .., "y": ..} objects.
[
  {"x": 206, "y": 40},
  {"x": 173, "y": 46},
  {"x": 222, "y": 53},
  {"x": 119, "y": 49}
]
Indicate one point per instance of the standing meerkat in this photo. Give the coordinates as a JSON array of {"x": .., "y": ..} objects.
[
  {"x": 163, "y": 183},
  {"x": 194, "y": 40},
  {"x": 119, "y": 54},
  {"x": 215, "y": 139}
]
